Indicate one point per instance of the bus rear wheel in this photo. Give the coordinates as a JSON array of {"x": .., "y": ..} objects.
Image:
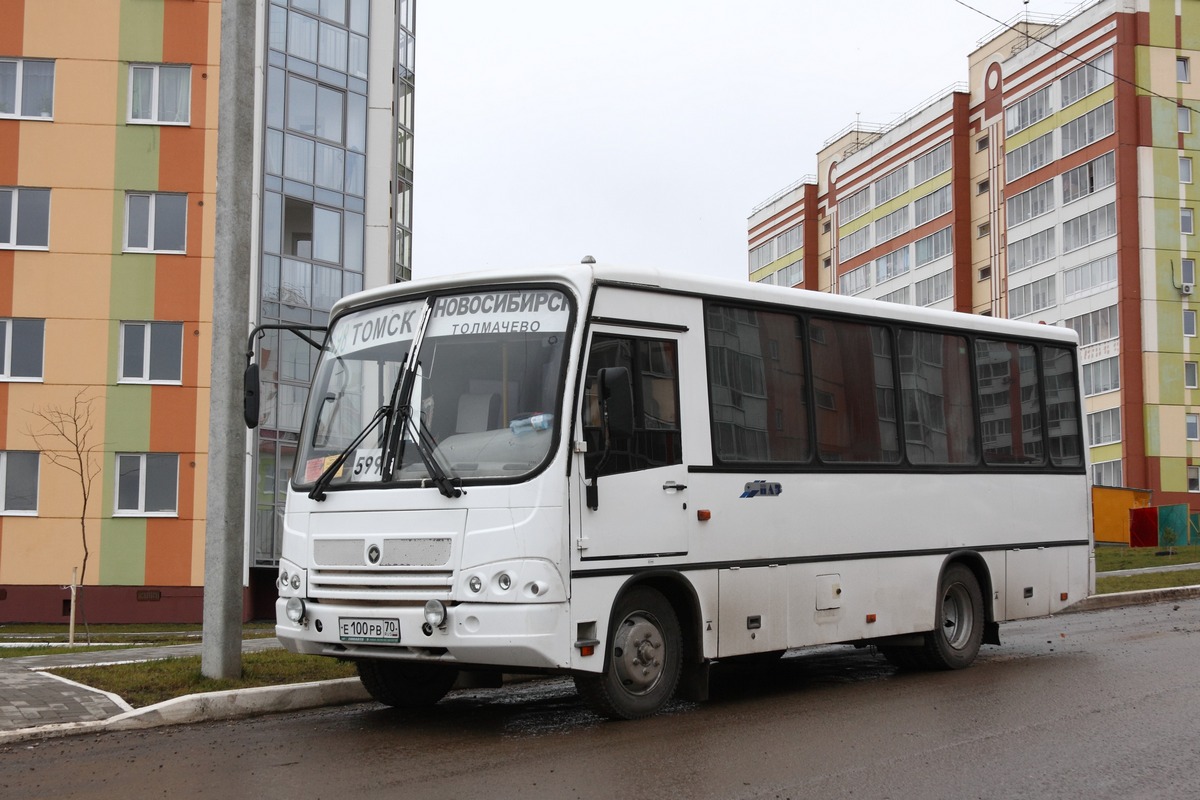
[
  {"x": 643, "y": 659},
  {"x": 405, "y": 685},
  {"x": 956, "y": 640}
]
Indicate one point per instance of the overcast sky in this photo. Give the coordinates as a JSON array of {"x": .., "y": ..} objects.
[{"x": 643, "y": 132}]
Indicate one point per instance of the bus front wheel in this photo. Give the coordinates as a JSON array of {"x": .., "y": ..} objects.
[
  {"x": 643, "y": 659},
  {"x": 956, "y": 640},
  {"x": 405, "y": 685}
]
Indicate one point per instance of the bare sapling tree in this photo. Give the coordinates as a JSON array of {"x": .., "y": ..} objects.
[{"x": 65, "y": 439}]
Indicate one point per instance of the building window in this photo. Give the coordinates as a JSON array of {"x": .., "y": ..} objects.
[
  {"x": 21, "y": 342},
  {"x": 1035, "y": 249},
  {"x": 1091, "y": 127},
  {"x": 1031, "y": 298},
  {"x": 1185, "y": 119},
  {"x": 1104, "y": 427},
  {"x": 1100, "y": 223},
  {"x": 983, "y": 230},
  {"x": 1193, "y": 479},
  {"x": 147, "y": 484},
  {"x": 985, "y": 273},
  {"x": 1020, "y": 116},
  {"x": 1027, "y": 158},
  {"x": 24, "y": 218},
  {"x": 1030, "y": 203},
  {"x": 1101, "y": 325},
  {"x": 151, "y": 352},
  {"x": 1185, "y": 169},
  {"x": 932, "y": 290},
  {"x": 1187, "y": 225},
  {"x": 1192, "y": 424},
  {"x": 1189, "y": 322},
  {"x": 1091, "y": 77},
  {"x": 1183, "y": 73},
  {"x": 1097, "y": 174},
  {"x": 1101, "y": 376},
  {"x": 891, "y": 185},
  {"x": 856, "y": 280},
  {"x": 1090, "y": 277},
  {"x": 160, "y": 94},
  {"x": 932, "y": 205},
  {"x": 855, "y": 205},
  {"x": 155, "y": 222},
  {"x": 982, "y": 187},
  {"x": 933, "y": 163},
  {"x": 1191, "y": 375},
  {"x": 825, "y": 226},
  {"x": 892, "y": 225},
  {"x": 26, "y": 89},
  {"x": 981, "y": 143},
  {"x": 889, "y": 266},
  {"x": 19, "y": 478},
  {"x": 934, "y": 246},
  {"x": 852, "y": 244},
  {"x": 1107, "y": 473}
]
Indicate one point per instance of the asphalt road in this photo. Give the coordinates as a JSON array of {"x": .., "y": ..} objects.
[{"x": 1102, "y": 704}]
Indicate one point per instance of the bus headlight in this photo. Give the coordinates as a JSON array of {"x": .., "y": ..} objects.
[
  {"x": 296, "y": 581},
  {"x": 435, "y": 613},
  {"x": 295, "y": 609},
  {"x": 504, "y": 582},
  {"x": 475, "y": 584}
]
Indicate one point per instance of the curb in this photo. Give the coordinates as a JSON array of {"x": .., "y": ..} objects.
[
  {"x": 1098, "y": 602},
  {"x": 210, "y": 706}
]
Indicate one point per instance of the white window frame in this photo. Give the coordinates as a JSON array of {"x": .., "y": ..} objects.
[
  {"x": 8, "y": 238},
  {"x": 6, "y": 355},
  {"x": 856, "y": 281},
  {"x": 37, "y": 485},
  {"x": 1189, "y": 322},
  {"x": 19, "y": 89},
  {"x": 1184, "y": 119},
  {"x": 1183, "y": 69},
  {"x": 1088, "y": 79},
  {"x": 142, "y": 472},
  {"x": 1104, "y": 427},
  {"x": 935, "y": 289},
  {"x": 1108, "y": 473},
  {"x": 149, "y": 326},
  {"x": 155, "y": 98},
  {"x": 150, "y": 222},
  {"x": 1193, "y": 478},
  {"x": 1094, "y": 226},
  {"x": 1191, "y": 375},
  {"x": 1187, "y": 270},
  {"x": 1101, "y": 377},
  {"x": 1185, "y": 169},
  {"x": 931, "y": 164},
  {"x": 1187, "y": 221},
  {"x": 1091, "y": 127},
  {"x": 1191, "y": 425}
]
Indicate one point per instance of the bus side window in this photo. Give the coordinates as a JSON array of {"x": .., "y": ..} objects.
[{"x": 653, "y": 368}]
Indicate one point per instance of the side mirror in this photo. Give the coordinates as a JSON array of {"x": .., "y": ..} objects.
[
  {"x": 616, "y": 401},
  {"x": 250, "y": 400}
]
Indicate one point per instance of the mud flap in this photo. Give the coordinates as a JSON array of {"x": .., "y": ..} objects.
[{"x": 991, "y": 633}]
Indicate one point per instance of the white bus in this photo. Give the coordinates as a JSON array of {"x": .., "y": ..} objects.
[{"x": 627, "y": 476}]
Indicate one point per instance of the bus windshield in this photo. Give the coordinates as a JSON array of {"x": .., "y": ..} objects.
[{"x": 481, "y": 404}]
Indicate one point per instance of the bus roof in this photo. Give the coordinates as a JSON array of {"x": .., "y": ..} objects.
[{"x": 585, "y": 277}]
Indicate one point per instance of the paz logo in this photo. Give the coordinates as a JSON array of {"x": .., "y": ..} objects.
[{"x": 762, "y": 489}]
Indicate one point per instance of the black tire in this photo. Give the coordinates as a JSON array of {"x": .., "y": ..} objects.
[
  {"x": 406, "y": 685},
  {"x": 643, "y": 660},
  {"x": 960, "y": 621}
]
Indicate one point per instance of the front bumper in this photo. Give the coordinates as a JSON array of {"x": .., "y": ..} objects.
[{"x": 503, "y": 635}]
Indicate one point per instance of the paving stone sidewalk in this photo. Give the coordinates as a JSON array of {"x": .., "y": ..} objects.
[{"x": 31, "y": 698}]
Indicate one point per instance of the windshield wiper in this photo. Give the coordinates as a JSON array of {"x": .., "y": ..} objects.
[
  {"x": 425, "y": 445},
  {"x": 318, "y": 490}
]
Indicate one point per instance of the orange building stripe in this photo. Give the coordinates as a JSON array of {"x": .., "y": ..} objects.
[{"x": 169, "y": 551}]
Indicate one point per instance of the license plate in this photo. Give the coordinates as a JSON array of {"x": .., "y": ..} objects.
[{"x": 361, "y": 629}]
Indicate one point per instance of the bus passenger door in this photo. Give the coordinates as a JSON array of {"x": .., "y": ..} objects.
[{"x": 641, "y": 490}]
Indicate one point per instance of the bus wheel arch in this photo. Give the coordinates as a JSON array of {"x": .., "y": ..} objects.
[
  {"x": 961, "y": 615},
  {"x": 651, "y": 650}
]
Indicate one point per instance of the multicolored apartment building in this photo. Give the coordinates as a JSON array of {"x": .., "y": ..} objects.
[
  {"x": 108, "y": 152},
  {"x": 1055, "y": 186}
]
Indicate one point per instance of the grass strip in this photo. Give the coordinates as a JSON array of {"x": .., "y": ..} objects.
[
  {"x": 150, "y": 682},
  {"x": 1110, "y": 557},
  {"x": 1148, "y": 580}
]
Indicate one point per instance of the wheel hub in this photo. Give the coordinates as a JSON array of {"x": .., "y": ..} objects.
[{"x": 638, "y": 654}]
